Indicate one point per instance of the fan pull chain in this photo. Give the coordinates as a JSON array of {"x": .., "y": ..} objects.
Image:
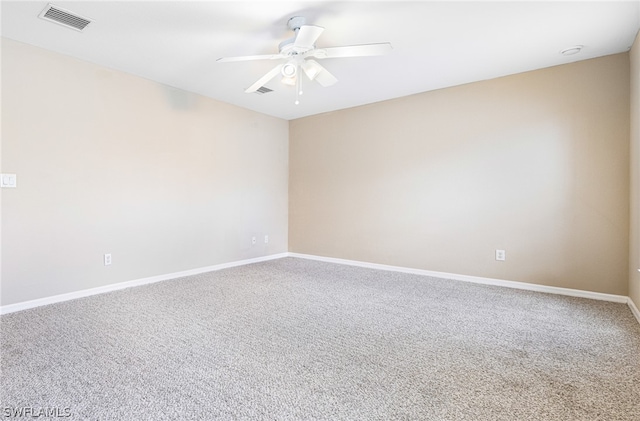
[
  {"x": 298, "y": 88},
  {"x": 300, "y": 83}
]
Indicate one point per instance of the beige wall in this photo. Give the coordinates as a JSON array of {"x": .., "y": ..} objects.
[
  {"x": 535, "y": 163},
  {"x": 111, "y": 163},
  {"x": 634, "y": 259}
]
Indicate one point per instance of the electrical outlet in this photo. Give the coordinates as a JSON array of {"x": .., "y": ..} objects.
[
  {"x": 501, "y": 255},
  {"x": 266, "y": 239},
  {"x": 253, "y": 241},
  {"x": 8, "y": 180},
  {"x": 107, "y": 259}
]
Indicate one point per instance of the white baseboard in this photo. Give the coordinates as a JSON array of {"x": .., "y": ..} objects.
[
  {"x": 466, "y": 278},
  {"x": 474, "y": 279},
  {"x": 634, "y": 309},
  {"x": 128, "y": 284}
]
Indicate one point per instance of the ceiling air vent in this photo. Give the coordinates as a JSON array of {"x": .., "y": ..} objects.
[
  {"x": 263, "y": 90},
  {"x": 64, "y": 17}
]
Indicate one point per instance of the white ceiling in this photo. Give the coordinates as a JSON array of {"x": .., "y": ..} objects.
[{"x": 435, "y": 44}]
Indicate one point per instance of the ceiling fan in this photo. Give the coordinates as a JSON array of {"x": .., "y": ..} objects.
[{"x": 300, "y": 52}]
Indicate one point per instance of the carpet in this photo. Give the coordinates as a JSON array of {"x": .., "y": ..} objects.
[{"x": 295, "y": 339}]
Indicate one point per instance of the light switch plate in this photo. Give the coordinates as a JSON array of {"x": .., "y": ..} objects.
[{"x": 8, "y": 180}]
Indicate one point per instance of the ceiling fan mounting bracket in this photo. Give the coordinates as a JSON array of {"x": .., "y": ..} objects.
[
  {"x": 287, "y": 46},
  {"x": 296, "y": 22}
]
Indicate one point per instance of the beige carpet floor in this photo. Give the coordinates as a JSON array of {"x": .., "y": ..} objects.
[{"x": 294, "y": 339}]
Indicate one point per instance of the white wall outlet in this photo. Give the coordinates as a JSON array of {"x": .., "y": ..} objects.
[
  {"x": 8, "y": 180},
  {"x": 107, "y": 259},
  {"x": 266, "y": 239},
  {"x": 253, "y": 240},
  {"x": 501, "y": 255}
]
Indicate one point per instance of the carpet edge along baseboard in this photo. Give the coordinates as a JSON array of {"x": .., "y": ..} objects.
[
  {"x": 10, "y": 308},
  {"x": 25, "y": 305}
]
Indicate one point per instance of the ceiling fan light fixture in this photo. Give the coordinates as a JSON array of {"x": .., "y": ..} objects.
[
  {"x": 311, "y": 69},
  {"x": 289, "y": 70},
  {"x": 291, "y": 81}
]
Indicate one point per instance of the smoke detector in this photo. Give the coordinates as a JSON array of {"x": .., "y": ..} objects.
[{"x": 572, "y": 50}]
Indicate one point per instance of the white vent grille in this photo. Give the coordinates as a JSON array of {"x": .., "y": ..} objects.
[
  {"x": 263, "y": 90},
  {"x": 64, "y": 17}
]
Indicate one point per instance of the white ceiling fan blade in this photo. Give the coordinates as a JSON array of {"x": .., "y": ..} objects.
[
  {"x": 307, "y": 36},
  {"x": 247, "y": 58},
  {"x": 353, "y": 51},
  {"x": 264, "y": 79}
]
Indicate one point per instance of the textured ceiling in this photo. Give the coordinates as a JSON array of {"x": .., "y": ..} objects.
[{"x": 435, "y": 44}]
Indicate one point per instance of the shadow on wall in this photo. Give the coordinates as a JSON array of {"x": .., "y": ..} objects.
[{"x": 180, "y": 100}]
